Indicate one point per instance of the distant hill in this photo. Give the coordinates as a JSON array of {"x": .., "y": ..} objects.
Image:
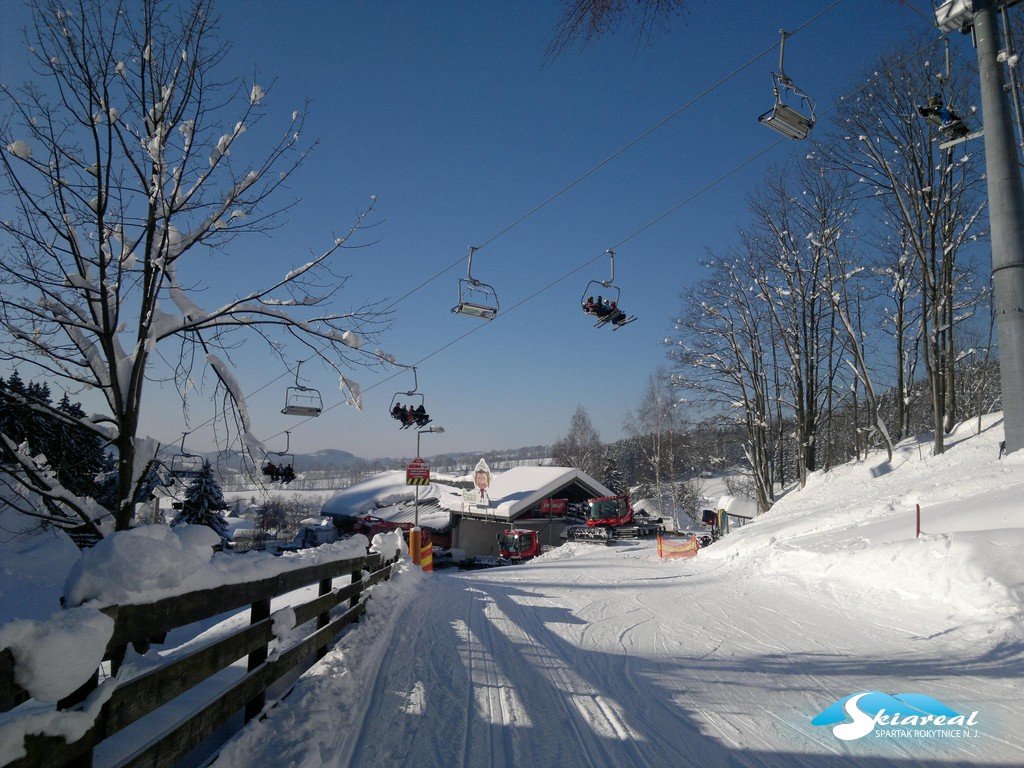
[{"x": 333, "y": 461}]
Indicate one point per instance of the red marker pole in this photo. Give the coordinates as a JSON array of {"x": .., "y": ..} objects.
[{"x": 918, "y": 535}]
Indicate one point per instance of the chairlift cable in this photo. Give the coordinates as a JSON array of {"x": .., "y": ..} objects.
[
  {"x": 583, "y": 265},
  {"x": 625, "y": 240},
  {"x": 615, "y": 154}
]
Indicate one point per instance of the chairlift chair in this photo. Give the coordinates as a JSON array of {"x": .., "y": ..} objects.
[
  {"x": 185, "y": 465},
  {"x": 300, "y": 400},
  {"x": 411, "y": 394},
  {"x": 783, "y": 117},
  {"x": 284, "y": 458},
  {"x": 476, "y": 299},
  {"x": 602, "y": 288},
  {"x": 952, "y": 129},
  {"x": 599, "y": 286}
]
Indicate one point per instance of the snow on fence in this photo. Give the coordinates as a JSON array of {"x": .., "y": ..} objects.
[
  {"x": 670, "y": 549},
  {"x": 108, "y": 712}
]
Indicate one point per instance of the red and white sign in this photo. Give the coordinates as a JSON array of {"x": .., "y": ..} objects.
[
  {"x": 554, "y": 507},
  {"x": 417, "y": 473}
]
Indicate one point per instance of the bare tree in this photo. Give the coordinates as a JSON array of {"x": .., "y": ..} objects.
[
  {"x": 657, "y": 431},
  {"x": 584, "y": 20},
  {"x": 797, "y": 226},
  {"x": 581, "y": 447},
  {"x": 125, "y": 170},
  {"x": 929, "y": 193},
  {"x": 719, "y": 353}
]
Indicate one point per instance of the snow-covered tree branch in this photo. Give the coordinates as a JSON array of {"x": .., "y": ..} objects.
[{"x": 125, "y": 160}]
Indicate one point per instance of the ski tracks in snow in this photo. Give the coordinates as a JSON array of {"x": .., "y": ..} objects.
[{"x": 551, "y": 665}]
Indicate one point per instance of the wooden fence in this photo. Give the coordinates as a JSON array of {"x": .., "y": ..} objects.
[{"x": 139, "y": 625}]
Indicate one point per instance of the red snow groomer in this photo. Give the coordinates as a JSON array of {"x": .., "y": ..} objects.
[
  {"x": 612, "y": 517},
  {"x": 517, "y": 545}
]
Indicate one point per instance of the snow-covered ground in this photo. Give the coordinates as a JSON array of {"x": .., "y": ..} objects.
[{"x": 597, "y": 656}]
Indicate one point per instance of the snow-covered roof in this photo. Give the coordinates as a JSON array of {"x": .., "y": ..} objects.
[
  {"x": 513, "y": 492},
  {"x": 237, "y": 524},
  {"x": 380, "y": 490},
  {"x": 386, "y": 496},
  {"x": 431, "y": 514}
]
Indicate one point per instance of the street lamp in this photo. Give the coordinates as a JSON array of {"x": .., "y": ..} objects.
[{"x": 437, "y": 431}]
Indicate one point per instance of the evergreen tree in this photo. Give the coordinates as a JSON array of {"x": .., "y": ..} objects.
[
  {"x": 612, "y": 477},
  {"x": 204, "y": 503}
]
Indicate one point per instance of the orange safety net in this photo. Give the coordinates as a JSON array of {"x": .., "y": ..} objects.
[{"x": 671, "y": 549}]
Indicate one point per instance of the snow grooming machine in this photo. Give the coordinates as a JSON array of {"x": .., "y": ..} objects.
[
  {"x": 610, "y": 518},
  {"x": 517, "y": 545},
  {"x": 476, "y": 299},
  {"x": 300, "y": 400},
  {"x": 783, "y": 117}
]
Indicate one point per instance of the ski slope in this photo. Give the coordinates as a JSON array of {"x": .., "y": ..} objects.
[{"x": 606, "y": 656}]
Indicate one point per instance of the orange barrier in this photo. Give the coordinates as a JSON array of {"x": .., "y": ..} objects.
[
  {"x": 427, "y": 554},
  {"x": 670, "y": 551},
  {"x": 421, "y": 549}
]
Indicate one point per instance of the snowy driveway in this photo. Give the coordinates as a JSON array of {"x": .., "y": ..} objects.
[{"x": 611, "y": 658}]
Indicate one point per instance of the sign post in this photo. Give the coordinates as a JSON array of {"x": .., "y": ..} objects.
[{"x": 418, "y": 472}]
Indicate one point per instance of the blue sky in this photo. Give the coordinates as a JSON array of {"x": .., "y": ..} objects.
[{"x": 448, "y": 114}]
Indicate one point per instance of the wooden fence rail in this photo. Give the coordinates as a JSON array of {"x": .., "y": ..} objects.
[{"x": 140, "y": 625}]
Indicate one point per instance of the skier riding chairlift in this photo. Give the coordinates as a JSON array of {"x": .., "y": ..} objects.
[{"x": 943, "y": 118}]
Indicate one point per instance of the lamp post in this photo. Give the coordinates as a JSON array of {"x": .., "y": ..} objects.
[{"x": 435, "y": 430}]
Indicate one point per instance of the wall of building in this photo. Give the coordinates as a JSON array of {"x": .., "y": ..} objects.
[{"x": 480, "y": 537}]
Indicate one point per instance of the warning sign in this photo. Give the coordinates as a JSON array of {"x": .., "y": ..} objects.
[{"x": 417, "y": 473}]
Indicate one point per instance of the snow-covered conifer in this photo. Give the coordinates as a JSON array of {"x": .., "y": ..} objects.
[{"x": 204, "y": 503}]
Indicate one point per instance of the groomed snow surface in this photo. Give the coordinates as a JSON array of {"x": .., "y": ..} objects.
[{"x": 606, "y": 656}]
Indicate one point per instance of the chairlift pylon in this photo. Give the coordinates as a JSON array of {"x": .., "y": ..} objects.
[
  {"x": 476, "y": 299},
  {"x": 185, "y": 465},
  {"x": 784, "y": 118},
  {"x": 300, "y": 400}
]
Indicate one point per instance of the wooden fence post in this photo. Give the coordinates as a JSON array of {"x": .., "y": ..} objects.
[
  {"x": 357, "y": 576},
  {"x": 323, "y": 618},
  {"x": 260, "y": 610},
  {"x": 77, "y": 697}
]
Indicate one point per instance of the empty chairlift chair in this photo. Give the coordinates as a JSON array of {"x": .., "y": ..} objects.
[
  {"x": 185, "y": 465},
  {"x": 300, "y": 400},
  {"x": 476, "y": 299},
  {"x": 784, "y": 118}
]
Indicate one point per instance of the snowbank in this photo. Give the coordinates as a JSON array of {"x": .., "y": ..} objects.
[
  {"x": 34, "y": 563},
  {"x": 153, "y": 562},
  {"x": 52, "y": 658},
  {"x": 299, "y": 735},
  {"x": 852, "y": 530}
]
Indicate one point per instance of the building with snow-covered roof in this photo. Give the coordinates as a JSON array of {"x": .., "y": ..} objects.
[
  {"x": 527, "y": 497},
  {"x": 533, "y": 498}
]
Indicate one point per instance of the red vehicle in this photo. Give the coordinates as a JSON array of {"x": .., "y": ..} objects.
[
  {"x": 370, "y": 526},
  {"x": 518, "y": 545},
  {"x": 612, "y": 517}
]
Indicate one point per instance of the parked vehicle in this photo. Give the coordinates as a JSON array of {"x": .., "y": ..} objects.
[
  {"x": 311, "y": 536},
  {"x": 517, "y": 545},
  {"x": 612, "y": 517}
]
